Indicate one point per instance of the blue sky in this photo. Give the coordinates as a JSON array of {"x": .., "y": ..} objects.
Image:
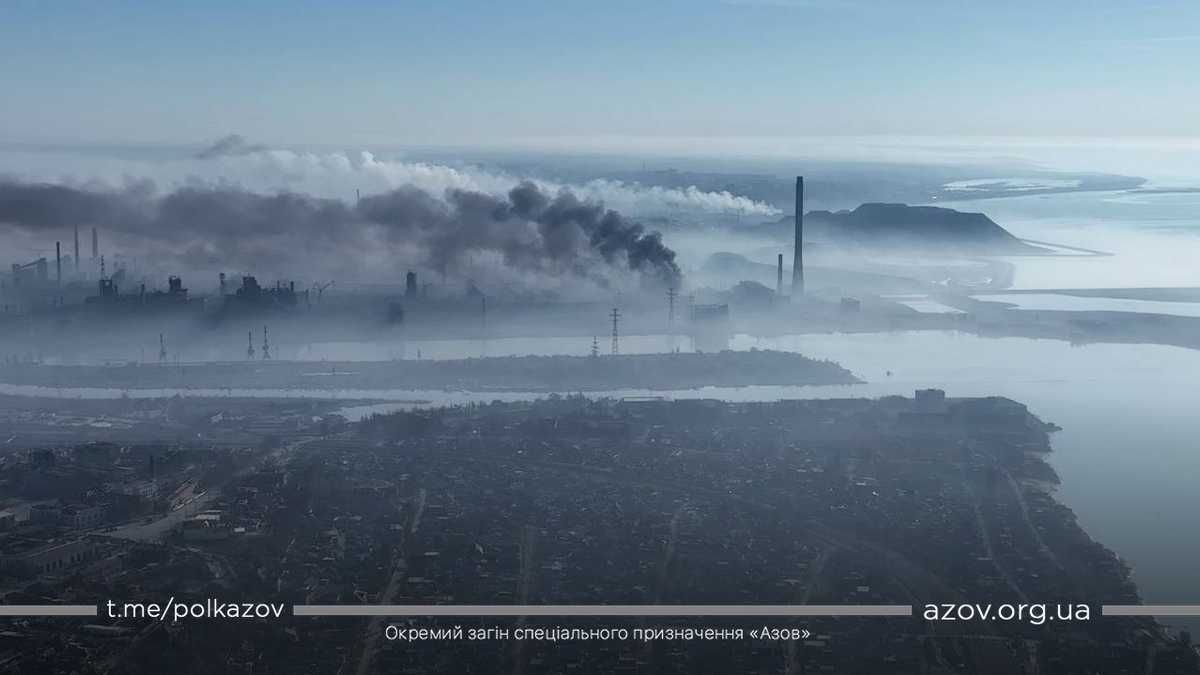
[{"x": 492, "y": 72}]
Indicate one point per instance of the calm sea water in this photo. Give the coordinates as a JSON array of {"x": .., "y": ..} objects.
[
  {"x": 1154, "y": 239},
  {"x": 1038, "y": 301}
]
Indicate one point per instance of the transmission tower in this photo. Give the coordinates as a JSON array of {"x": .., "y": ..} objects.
[
  {"x": 266, "y": 346},
  {"x": 483, "y": 334},
  {"x": 616, "y": 342},
  {"x": 250, "y": 345},
  {"x": 671, "y": 293},
  {"x": 162, "y": 348},
  {"x": 595, "y": 346}
]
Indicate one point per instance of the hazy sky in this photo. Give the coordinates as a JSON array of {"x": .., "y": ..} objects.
[{"x": 466, "y": 72}]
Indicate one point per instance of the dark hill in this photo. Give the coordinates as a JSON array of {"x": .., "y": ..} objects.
[{"x": 878, "y": 225}]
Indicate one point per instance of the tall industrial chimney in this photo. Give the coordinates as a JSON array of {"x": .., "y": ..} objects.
[
  {"x": 779, "y": 276},
  {"x": 798, "y": 254},
  {"x": 95, "y": 244},
  {"x": 58, "y": 261},
  {"x": 76, "y": 249}
]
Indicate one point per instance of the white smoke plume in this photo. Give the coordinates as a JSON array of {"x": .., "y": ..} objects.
[
  {"x": 233, "y": 161},
  {"x": 364, "y": 169}
]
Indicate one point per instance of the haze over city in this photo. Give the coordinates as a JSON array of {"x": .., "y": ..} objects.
[{"x": 686, "y": 337}]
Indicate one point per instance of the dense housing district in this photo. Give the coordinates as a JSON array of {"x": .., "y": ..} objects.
[{"x": 563, "y": 500}]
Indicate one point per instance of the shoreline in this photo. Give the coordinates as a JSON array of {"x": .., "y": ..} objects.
[{"x": 655, "y": 371}]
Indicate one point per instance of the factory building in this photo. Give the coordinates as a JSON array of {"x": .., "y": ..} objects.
[
  {"x": 252, "y": 296},
  {"x": 710, "y": 327},
  {"x": 37, "y": 558},
  {"x": 35, "y": 274},
  {"x": 108, "y": 294}
]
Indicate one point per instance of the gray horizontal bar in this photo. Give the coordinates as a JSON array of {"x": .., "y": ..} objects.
[
  {"x": 47, "y": 610},
  {"x": 1150, "y": 610},
  {"x": 602, "y": 610}
]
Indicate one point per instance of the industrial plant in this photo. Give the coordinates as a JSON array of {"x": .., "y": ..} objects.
[{"x": 695, "y": 338}]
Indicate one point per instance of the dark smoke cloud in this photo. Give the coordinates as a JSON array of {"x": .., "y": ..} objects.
[
  {"x": 529, "y": 231},
  {"x": 230, "y": 146}
]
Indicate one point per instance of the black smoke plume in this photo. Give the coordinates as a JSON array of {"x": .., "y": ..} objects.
[
  {"x": 528, "y": 232},
  {"x": 229, "y": 146}
]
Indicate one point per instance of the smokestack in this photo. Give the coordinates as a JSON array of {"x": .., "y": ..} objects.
[
  {"x": 95, "y": 244},
  {"x": 798, "y": 250},
  {"x": 77, "y": 249},
  {"x": 58, "y": 260},
  {"x": 779, "y": 275}
]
